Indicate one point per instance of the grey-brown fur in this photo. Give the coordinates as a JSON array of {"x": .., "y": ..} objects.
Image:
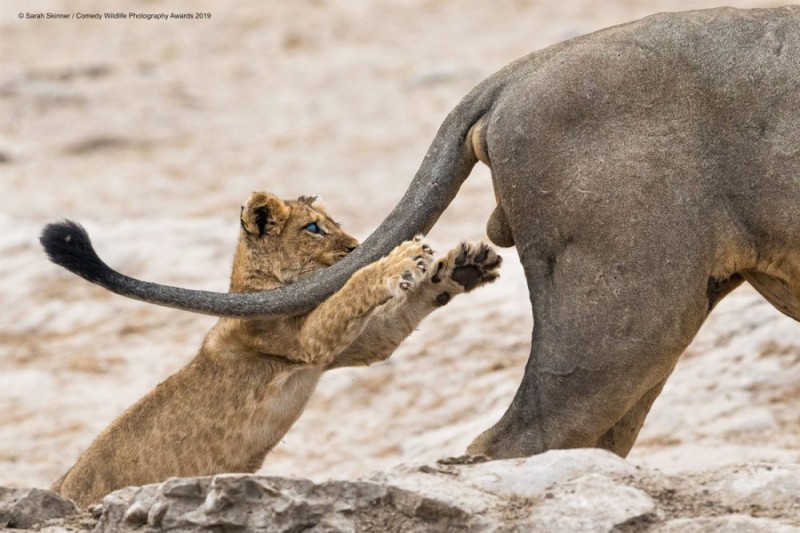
[
  {"x": 250, "y": 381},
  {"x": 643, "y": 171}
]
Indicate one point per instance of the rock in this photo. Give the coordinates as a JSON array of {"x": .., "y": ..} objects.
[
  {"x": 571, "y": 490},
  {"x": 592, "y": 502},
  {"x": 737, "y": 523},
  {"x": 526, "y": 478},
  {"x": 763, "y": 488},
  {"x": 260, "y": 503},
  {"x": 564, "y": 490},
  {"x": 25, "y": 508}
]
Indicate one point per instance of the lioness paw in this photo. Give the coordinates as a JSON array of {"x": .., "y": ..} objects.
[
  {"x": 469, "y": 265},
  {"x": 406, "y": 266}
]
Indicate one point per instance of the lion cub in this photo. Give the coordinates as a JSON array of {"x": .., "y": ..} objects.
[{"x": 232, "y": 403}]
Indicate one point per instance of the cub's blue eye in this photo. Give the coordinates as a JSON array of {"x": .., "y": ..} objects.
[{"x": 313, "y": 228}]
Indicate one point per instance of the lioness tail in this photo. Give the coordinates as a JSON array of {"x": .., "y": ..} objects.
[{"x": 67, "y": 244}]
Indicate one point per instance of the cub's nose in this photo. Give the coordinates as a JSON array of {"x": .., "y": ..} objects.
[{"x": 351, "y": 248}]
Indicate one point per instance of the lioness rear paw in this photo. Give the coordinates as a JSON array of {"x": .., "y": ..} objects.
[
  {"x": 470, "y": 265},
  {"x": 406, "y": 266}
]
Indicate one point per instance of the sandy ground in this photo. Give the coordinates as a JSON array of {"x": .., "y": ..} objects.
[{"x": 153, "y": 132}]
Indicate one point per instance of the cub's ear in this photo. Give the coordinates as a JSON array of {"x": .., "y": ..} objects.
[
  {"x": 312, "y": 201},
  {"x": 308, "y": 200},
  {"x": 264, "y": 214}
]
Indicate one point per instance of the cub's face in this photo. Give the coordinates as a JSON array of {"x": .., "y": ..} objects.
[{"x": 288, "y": 239}]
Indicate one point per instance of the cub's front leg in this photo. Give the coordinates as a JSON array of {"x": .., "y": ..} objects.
[
  {"x": 335, "y": 323},
  {"x": 464, "y": 268}
]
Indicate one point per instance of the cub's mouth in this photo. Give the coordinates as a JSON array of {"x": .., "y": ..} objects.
[
  {"x": 320, "y": 262},
  {"x": 331, "y": 258},
  {"x": 341, "y": 254}
]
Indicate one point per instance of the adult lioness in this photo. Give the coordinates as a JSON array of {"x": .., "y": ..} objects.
[
  {"x": 643, "y": 171},
  {"x": 252, "y": 377}
]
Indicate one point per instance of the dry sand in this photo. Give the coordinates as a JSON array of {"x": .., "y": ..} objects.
[{"x": 153, "y": 132}]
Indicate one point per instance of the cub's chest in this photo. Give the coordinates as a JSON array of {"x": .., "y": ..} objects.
[{"x": 281, "y": 400}]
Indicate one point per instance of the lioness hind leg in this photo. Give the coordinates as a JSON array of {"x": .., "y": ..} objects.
[
  {"x": 783, "y": 296},
  {"x": 622, "y": 435},
  {"x": 600, "y": 352}
]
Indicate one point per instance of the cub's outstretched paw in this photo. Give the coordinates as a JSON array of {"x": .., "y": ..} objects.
[
  {"x": 406, "y": 266},
  {"x": 469, "y": 265}
]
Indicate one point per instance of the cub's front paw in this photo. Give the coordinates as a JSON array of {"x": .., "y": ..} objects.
[
  {"x": 469, "y": 265},
  {"x": 405, "y": 267}
]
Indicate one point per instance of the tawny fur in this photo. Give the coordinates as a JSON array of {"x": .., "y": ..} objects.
[{"x": 251, "y": 380}]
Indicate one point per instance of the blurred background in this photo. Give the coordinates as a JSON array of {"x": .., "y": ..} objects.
[{"x": 152, "y": 133}]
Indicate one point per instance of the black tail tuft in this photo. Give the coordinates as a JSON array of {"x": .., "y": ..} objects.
[{"x": 67, "y": 244}]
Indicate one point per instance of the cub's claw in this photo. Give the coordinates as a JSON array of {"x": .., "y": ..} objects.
[{"x": 406, "y": 266}]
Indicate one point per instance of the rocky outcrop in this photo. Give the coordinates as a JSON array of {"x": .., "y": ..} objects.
[
  {"x": 28, "y": 508},
  {"x": 572, "y": 490}
]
